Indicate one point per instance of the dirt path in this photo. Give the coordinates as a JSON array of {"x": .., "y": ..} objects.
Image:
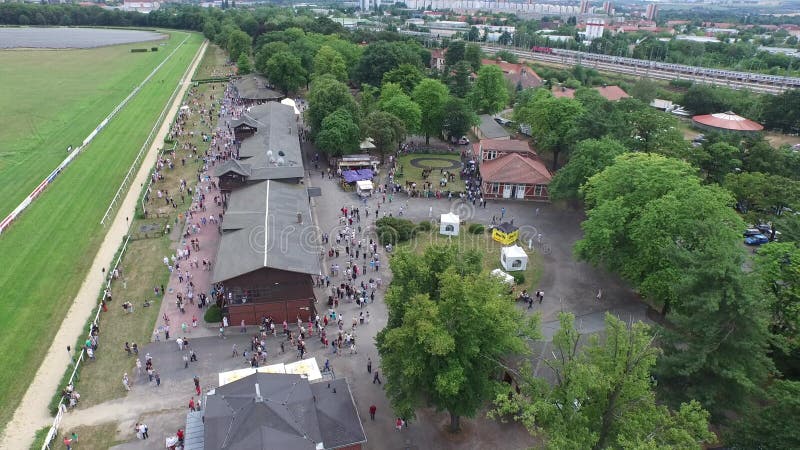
[{"x": 32, "y": 413}]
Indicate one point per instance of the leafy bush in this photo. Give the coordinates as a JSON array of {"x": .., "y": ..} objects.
[
  {"x": 476, "y": 228},
  {"x": 424, "y": 226},
  {"x": 138, "y": 50},
  {"x": 153, "y": 49},
  {"x": 392, "y": 230},
  {"x": 519, "y": 277},
  {"x": 214, "y": 314},
  {"x": 686, "y": 84}
]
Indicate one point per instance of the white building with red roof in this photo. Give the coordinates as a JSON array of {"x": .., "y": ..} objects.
[{"x": 511, "y": 170}]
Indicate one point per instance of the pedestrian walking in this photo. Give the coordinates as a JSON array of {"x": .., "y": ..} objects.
[
  {"x": 376, "y": 378},
  {"x": 158, "y": 378},
  {"x": 235, "y": 351},
  {"x": 599, "y": 294},
  {"x": 398, "y": 424},
  {"x": 369, "y": 365},
  {"x": 372, "y": 410},
  {"x": 126, "y": 382}
]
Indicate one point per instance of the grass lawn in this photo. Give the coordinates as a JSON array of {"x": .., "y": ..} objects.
[
  {"x": 411, "y": 173},
  {"x": 46, "y": 253},
  {"x": 143, "y": 269},
  {"x": 486, "y": 245},
  {"x": 99, "y": 437},
  {"x": 44, "y": 111}
]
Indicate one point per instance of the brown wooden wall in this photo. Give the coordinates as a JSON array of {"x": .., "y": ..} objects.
[
  {"x": 287, "y": 310},
  {"x": 279, "y": 293}
]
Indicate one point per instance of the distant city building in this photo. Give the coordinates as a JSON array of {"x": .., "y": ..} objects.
[
  {"x": 608, "y": 8},
  {"x": 584, "y": 7},
  {"x": 594, "y": 28},
  {"x": 652, "y": 11},
  {"x": 142, "y": 7},
  {"x": 364, "y": 5}
]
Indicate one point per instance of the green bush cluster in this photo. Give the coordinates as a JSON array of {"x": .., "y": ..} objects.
[
  {"x": 214, "y": 314},
  {"x": 476, "y": 228},
  {"x": 519, "y": 277},
  {"x": 392, "y": 230},
  {"x": 153, "y": 49},
  {"x": 138, "y": 50},
  {"x": 424, "y": 226}
]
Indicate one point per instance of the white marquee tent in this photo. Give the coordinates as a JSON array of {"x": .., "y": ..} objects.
[
  {"x": 290, "y": 102},
  {"x": 513, "y": 258},
  {"x": 448, "y": 224}
]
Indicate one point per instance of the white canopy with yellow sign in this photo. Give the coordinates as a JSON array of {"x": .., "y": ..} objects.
[{"x": 308, "y": 368}]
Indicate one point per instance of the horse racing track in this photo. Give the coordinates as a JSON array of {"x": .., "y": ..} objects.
[{"x": 45, "y": 254}]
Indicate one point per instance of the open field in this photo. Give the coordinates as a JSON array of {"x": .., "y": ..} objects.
[
  {"x": 46, "y": 253},
  {"x": 43, "y": 111},
  {"x": 486, "y": 245}
]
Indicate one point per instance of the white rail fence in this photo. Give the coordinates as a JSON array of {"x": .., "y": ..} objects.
[
  {"x": 51, "y": 434},
  {"x": 74, "y": 153}
]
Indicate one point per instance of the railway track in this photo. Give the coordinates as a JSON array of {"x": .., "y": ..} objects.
[{"x": 646, "y": 69}]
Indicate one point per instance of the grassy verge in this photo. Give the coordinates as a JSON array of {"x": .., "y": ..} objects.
[
  {"x": 45, "y": 255},
  {"x": 99, "y": 437},
  {"x": 143, "y": 268}
]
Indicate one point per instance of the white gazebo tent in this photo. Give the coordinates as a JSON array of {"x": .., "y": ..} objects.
[
  {"x": 290, "y": 102},
  {"x": 513, "y": 258},
  {"x": 448, "y": 224},
  {"x": 364, "y": 188}
]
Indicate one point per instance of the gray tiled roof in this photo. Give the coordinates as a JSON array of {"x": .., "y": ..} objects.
[
  {"x": 491, "y": 129},
  {"x": 273, "y": 152},
  {"x": 291, "y": 414},
  {"x": 260, "y": 229},
  {"x": 254, "y": 87}
]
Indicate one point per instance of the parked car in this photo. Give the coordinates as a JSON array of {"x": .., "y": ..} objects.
[
  {"x": 751, "y": 232},
  {"x": 463, "y": 141},
  {"x": 502, "y": 121},
  {"x": 757, "y": 239}
]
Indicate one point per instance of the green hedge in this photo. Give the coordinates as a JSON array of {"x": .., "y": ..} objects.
[
  {"x": 213, "y": 315},
  {"x": 424, "y": 226},
  {"x": 476, "y": 228},
  {"x": 138, "y": 50},
  {"x": 519, "y": 277},
  {"x": 392, "y": 230}
]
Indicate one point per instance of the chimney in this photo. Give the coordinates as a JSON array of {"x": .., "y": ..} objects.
[{"x": 258, "y": 399}]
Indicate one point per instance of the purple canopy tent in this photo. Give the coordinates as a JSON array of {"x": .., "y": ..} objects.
[{"x": 351, "y": 176}]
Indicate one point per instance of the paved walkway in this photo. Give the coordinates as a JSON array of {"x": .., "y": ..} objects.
[{"x": 32, "y": 413}]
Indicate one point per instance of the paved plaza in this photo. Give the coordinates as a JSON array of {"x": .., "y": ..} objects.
[{"x": 549, "y": 230}]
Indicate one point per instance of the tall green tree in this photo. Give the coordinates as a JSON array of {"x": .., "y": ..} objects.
[
  {"x": 285, "y": 71},
  {"x": 552, "y": 121},
  {"x": 473, "y": 55},
  {"x": 454, "y": 53},
  {"x": 437, "y": 349},
  {"x": 381, "y": 57},
  {"x": 773, "y": 427},
  {"x": 407, "y": 76},
  {"x": 340, "y": 134},
  {"x": 431, "y": 96},
  {"x": 458, "y": 117},
  {"x": 678, "y": 242},
  {"x": 404, "y": 109},
  {"x": 326, "y": 96},
  {"x": 243, "y": 65},
  {"x": 385, "y": 129},
  {"x": 590, "y": 156},
  {"x": 716, "y": 160},
  {"x": 458, "y": 80},
  {"x": 329, "y": 61},
  {"x": 238, "y": 42},
  {"x": 778, "y": 267},
  {"x": 490, "y": 93},
  {"x": 603, "y": 396}
]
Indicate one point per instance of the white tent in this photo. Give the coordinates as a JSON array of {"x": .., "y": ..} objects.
[
  {"x": 290, "y": 102},
  {"x": 513, "y": 258},
  {"x": 364, "y": 188},
  {"x": 508, "y": 279},
  {"x": 367, "y": 144},
  {"x": 448, "y": 224}
]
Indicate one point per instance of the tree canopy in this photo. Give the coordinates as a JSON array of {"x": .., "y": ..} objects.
[
  {"x": 340, "y": 134},
  {"x": 329, "y": 61},
  {"x": 326, "y": 96},
  {"x": 286, "y": 72},
  {"x": 603, "y": 396},
  {"x": 489, "y": 94},
  {"x": 552, "y": 120},
  {"x": 449, "y": 327},
  {"x": 431, "y": 96},
  {"x": 385, "y": 129}
]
